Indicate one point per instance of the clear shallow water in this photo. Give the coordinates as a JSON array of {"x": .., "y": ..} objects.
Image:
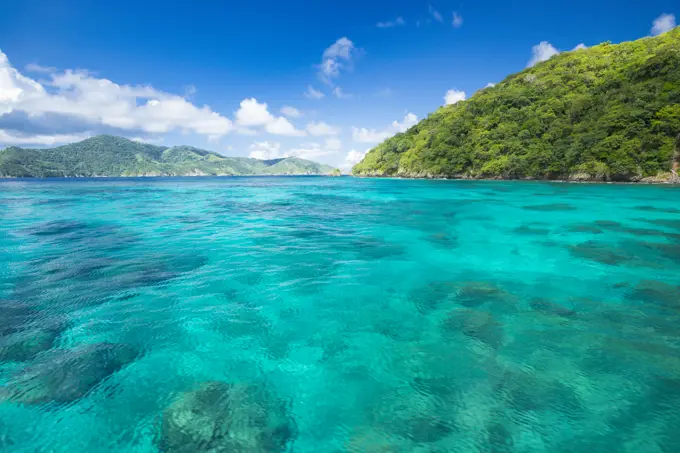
[{"x": 360, "y": 315}]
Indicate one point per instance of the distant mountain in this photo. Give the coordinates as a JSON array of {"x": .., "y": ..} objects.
[
  {"x": 610, "y": 112},
  {"x": 107, "y": 155}
]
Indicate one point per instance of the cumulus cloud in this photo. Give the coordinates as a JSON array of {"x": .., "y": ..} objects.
[
  {"x": 320, "y": 128},
  {"x": 265, "y": 150},
  {"x": 489, "y": 85},
  {"x": 364, "y": 135},
  {"x": 398, "y": 22},
  {"x": 311, "y": 150},
  {"x": 313, "y": 93},
  {"x": 454, "y": 96},
  {"x": 290, "y": 112},
  {"x": 100, "y": 103},
  {"x": 457, "y": 20},
  {"x": 354, "y": 157},
  {"x": 314, "y": 150},
  {"x": 8, "y": 138},
  {"x": 255, "y": 114},
  {"x": 435, "y": 14},
  {"x": 336, "y": 58},
  {"x": 542, "y": 52},
  {"x": 663, "y": 23},
  {"x": 333, "y": 144},
  {"x": 579, "y": 47}
]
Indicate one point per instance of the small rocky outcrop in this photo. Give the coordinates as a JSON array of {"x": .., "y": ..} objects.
[{"x": 226, "y": 418}]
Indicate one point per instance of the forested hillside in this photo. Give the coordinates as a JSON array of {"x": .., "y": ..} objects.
[
  {"x": 609, "y": 112},
  {"x": 107, "y": 155}
]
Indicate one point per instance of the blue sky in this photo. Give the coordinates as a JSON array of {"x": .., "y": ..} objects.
[{"x": 201, "y": 72}]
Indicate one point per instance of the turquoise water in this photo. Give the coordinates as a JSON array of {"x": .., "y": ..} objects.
[{"x": 338, "y": 315}]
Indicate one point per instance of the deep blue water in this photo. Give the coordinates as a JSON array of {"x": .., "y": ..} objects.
[{"x": 338, "y": 315}]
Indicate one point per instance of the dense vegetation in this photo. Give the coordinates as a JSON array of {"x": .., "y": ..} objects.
[
  {"x": 106, "y": 155},
  {"x": 610, "y": 112}
]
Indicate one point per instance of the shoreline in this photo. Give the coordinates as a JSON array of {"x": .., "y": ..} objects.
[{"x": 563, "y": 181}]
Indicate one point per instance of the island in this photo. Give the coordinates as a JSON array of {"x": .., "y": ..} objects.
[
  {"x": 111, "y": 156},
  {"x": 605, "y": 113}
]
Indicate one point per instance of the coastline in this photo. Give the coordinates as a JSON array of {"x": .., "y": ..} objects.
[{"x": 643, "y": 181}]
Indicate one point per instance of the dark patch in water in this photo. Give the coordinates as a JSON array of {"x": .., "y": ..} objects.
[
  {"x": 445, "y": 240},
  {"x": 551, "y": 307},
  {"x": 64, "y": 376},
  {"x": 26, "y": 344},
  {"x": 550, "y": 207},
  {"x": 480, "y": 325},
  {"x": 658, "y": 209},
  {"x": 667, "y": 223},
  {"x": 600, "y": 253},
  {"x": 432, "y": 295},
  {"x": 656, "y": 292},
  {"x": 584, "y": 228},
  {"x": 221, "y": 417},
  {"x": 529, "y": 230}
]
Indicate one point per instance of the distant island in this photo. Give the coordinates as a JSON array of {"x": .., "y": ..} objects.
[
  {"x": 107, "y": 155},
  {"x": 605, "y": 113}
]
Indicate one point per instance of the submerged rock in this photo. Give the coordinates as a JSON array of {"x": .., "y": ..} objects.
[
  {"x": 13, "y": 316},
  {"x": 551, "y": 307},
  {"x": 480, "y": 325},
  {"x": 656, "y": 292},
  {"x": 474, "y": 294},
  {"x": 26, "y": 344},
  {"x": 224, "y": 418},
  {"x": 64, "y": 376},
  {"x": 598, "y": 252}
]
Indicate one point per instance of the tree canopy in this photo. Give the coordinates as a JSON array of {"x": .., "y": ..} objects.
[{"x": 609, "y": 112}]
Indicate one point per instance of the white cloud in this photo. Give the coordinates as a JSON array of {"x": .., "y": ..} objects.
[
  {"x": 313, "y": 93},
  {"x": 310, "y": 151},
  {"x": 253, "y": 113},
  {"x": 579, "y": 47},
  {"x": 398, "y": 22},
  {"x": 290, "y": 112},
  {"x": 454, "y": 96},
  {"x": 457, "y": 20},
  {"x": 265, "y": 150},
  {"x": 364, "y": 135},
  {"x": 245, "y": 131},
  {"x": 489, "y": 85},
  {"x": 409, "y": 120},
  {"x": 281, "y": 126},
  {"x": 663, "y": 23},
  {"x": 354, "y": 157},
  {"x": 435, "y": 14},
  {"x": 335, "y": 58},
  {"x": 7, "y": 138},
  {"x": 333, "y": 144},
  {"x": 340, "y": 94},
  {"x": 542, "y": 52},
  {"x": 256, "y": 114},
  {"x": 97, "y": 102},
  {"x": 33, "y": 67},
  {"x": 320, "y": 128}
]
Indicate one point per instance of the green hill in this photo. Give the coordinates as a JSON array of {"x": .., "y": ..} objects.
[
  {"x": 106, "y": 155},
  {"x": 609, "y": 112}
]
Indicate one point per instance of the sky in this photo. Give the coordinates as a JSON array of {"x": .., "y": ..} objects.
[{"x": 322, "y": 80}]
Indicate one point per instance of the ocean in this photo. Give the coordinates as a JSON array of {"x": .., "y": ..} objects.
[{"x": 315, "y": 314}]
